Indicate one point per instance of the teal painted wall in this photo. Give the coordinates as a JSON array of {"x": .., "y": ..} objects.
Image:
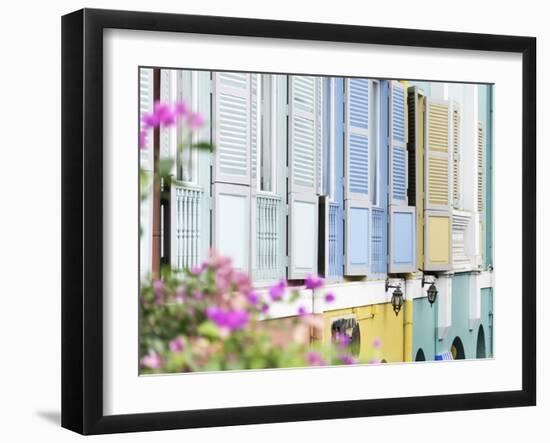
[
  {"x": 485, "y": 113},
  {"x": 487, "y": 318},
  {"x": 460, "y": 322},
  {"x": 424, "y": 319}
]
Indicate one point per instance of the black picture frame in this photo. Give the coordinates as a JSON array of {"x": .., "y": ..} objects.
[{"x": 82, "y": 219}]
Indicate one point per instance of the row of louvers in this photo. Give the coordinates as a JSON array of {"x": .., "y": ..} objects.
[{"x": 364, "y": 176}]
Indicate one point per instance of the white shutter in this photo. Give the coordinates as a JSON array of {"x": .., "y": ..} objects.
[
  {"x": 357, "y": 168},
  {"x": 302, "y": 181},
  {"x": 146, "y": 155},
  {"x": 255, "y": 130},
  {"x": 146, "y": 100},
  {"x": 168, "y": 135},
  {"x": 232, "y": 127},
  {"x": 319, "y": 135},
  {"x": 231, "y": 120}
]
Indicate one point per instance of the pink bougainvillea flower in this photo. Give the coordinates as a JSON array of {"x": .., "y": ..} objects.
[
  {"x": 313, "y": 282},
  {"x": 242, "y": 281},
  {"x": 164, "y": 114},
  {"x": 231, "y": 320},
  {"x": 151, "y": 360},
  {"x": 237, "y": 319},
  {"x": 302, "y": 311},
  {"x": 347, "y": 360},
  {"x": 177, "y": 345},
  {"x": 253, "y": 298},
  {"x": 377, "y": 343},
  {"x": 330, "y": 297},
  {"x": 265, "y": 308},
  {"x": 195, "y": 120},
  {"x": 197, "y": 295},
  {"x": 313, "y": 358},
  {"x": 158, "y": 288},
  {"x": 277, "y": 290},
  {"x": 150, "y": 120},
  {"x": 219, "y": 261},
  {"x": 143, "y": 139},
  {"x": 180, "y": 109},
  {"x": 196, "y": 270},
  {"x": 342, "y": 340},
  {"x": 180, "y": 294}
]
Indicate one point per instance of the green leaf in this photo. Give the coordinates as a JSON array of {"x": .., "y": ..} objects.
[
  {"x": 294, "y": 296},
  {"x": 164, "y": 168},
  {"x": 208, "y": 329},
  {"x": 205, "y": 146}
]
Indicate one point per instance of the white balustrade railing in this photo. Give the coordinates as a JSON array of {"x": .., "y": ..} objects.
[
  {"x": 186, "y": 229},
  {"x": 267, "y": 261}
]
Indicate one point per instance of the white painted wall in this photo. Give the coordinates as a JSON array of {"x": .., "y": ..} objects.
[{"x": 30, "y": 378}]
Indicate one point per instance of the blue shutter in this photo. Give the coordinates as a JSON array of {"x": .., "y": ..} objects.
[
  {"x": 379, "y": 234},
  {"x": 402, "y": 231},
  {"x": 336, "y": 268},
  {"x": 357, "y": 177}
]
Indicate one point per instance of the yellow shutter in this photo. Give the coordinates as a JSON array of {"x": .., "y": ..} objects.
[
  {"x": 456, "y": 157},
  {"x": 480, "y": 143}
]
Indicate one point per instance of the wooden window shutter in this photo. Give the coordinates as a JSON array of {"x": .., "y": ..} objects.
[
  {"x": 302, "y": 180},
  {"x": 146, "y": 100},
  {"x": 402, "y": 231},
  {"x": 232, "y": 127},
  {"x": 357, "y": 177},
  {"x": 456, "y": 156},
  {"x": 231, "y": 112},
  {"x": 480, "y": 149},
  {"x": 437, "y": 201}
]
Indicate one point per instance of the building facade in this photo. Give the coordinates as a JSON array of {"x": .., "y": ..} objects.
[{"x": 374, "y": 184}]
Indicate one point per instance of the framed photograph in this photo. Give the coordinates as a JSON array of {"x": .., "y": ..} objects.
[{"x": 269, "y": 221}]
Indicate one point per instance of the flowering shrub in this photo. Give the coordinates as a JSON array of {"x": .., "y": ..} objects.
[{"x": 209, "y": 317}]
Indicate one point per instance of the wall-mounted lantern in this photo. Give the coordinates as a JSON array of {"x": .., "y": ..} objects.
[
  {"x": 396, "y": 298},
  {"x": 432, "y": 290}
]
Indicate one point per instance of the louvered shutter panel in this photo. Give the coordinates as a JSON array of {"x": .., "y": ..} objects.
[
  {"x": 398, "y": 152},
  {"x": 232, "y": 125},
  {"x": 255, "y": 113},
  {"x": 480, "y": 145},
  {"x": 335, "y": 159},
  {"x": 357, "y": 177},
  {"x": 146, "y": 155},
  {"x": 437, "y": 203},
  {"x": 402, "y": 238},
  {"x": 415, "y": 148},
  {"x": 437, "y": 155},
  {"x": 319, "y": 134},
  {"x": 168, "y": 135},
  {"x": 302, "y": 182},
  {"x": 231, "y": 173},
  {"x": 146, "y": 100},
  {"x": 456, "y": 155}
]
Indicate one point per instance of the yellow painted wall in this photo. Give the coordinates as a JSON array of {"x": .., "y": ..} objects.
[
  {"x": 376, "y": 321},
  {"x": 439, "y": 234}
]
